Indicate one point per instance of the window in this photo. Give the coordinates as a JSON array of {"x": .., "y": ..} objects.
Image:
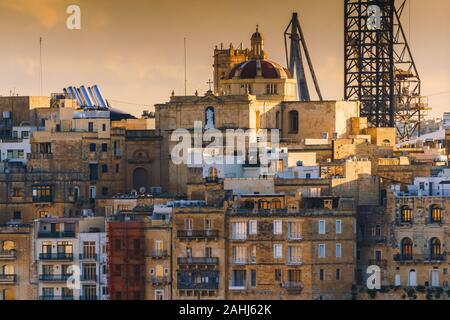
[
  {"x": 92, "y": 147},
  {"x": 378, "y": 231},
  {"x": 17, "y": 215},
  {"x": 42, "y": 193},
  {"x": 105, "y": 191},
  {"x": 207, "y": 224},
  {"x": 239, "y": 230},
  {"x": 104, "y": 147},
  {"x": 253, "y": 227},
  {"x": 322, "y": 227},
  {"x": 406, "y": 214},
  {"x": 15, "y": 154},
  {"x": 91, "y": 127},
  {"x": 277, "y": 274},
  {"x": 89, "y": 249},
  {"x": 136, "y": 243},
  {"x": 338, "y": 274},
  {"x": 294, "y": 231},
  {"x": 435, "y": 246},
  {"x": 239, "y": 255},
  {"x": 103, "y": 127},
  {"x": 277, "y": 227},
  {"x": 322, "y": 274},
  {"x": 93, "y": 171},
  {"x": 272, "y": 88},
  {"x": 117, "y": 168},
  {"x": 294, "y": 255},
  {"x": 293, "y": 122},
  {"x": 188, "y": 224},
  {"x": 338, "y": 226},
  {"x": 338, "y": 250},
  {"x": 238, "y": 279},
  {"x": 406, "y": 249},
  {"x": 436, "y": 214},
  {"x": 253, "y": 278},
  {"x": 278, "y": 251},
  {"x": 159, "y": 294},
  {"x": 322, "y": 252},
  {"x": 104, "y": 168}
]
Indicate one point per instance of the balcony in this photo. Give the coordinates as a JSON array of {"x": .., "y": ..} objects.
[
  {"x": 54, "y": 277},
  {"x": 42, "y": 199},
  {"x": 294, "y": 261},
  {"x": 434, "y": 222},
  {"x": 239, "y": 260},
  {"x": 382, "y": 263},
  {"x": 294, "y": 287},
  {"x": 239, "y": 237},
  {"x": 198, "y": 261},
  {"x": 56, "y": 298},
  {"x": 88, "y": 278},
  {"x": 237, "y": 285},
  {"x": 160, "y": 254},
  {"x": 404, "y": 258},
  {"x": 435, "y": 258},
  {"x": 88, "y": 257},
  {"x": 56, "y": 256},
  {"x": 198, "y": 234},
  {"x": 8, "y": 278},
  {"x": 159, "y": 281},
  {"x": 404, "y": 223},
  {"x": 294, "y": 236},
  {"x": 198, "y": 286},
  {"x": 8, "y": 255},
  {"x": 55, "y": 235}
]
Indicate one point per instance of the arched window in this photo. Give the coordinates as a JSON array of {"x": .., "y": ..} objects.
[
  {"x": 412, "y": 279},
  {"x": 435, "y": 249},
  {"x": 213, "y": 174},
  {"x": 276, "y": 204},
  {"x": 435, "y": 214},
  {"x": 386, "y": 143},
  {"x": 263, "y": 204},
  {"x": 406, "y": 214},
  {"x": 293, "y": 121},
  {"x": 210, "y": 118},
  {"x": 407, "y": 249},
  {"x": 76, "y": 193}
]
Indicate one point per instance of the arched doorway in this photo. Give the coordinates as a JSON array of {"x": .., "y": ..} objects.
[{"x": 140, "y": 178}]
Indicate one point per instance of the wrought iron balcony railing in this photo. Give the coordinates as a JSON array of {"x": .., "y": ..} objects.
[
  {"x": 54, "y": 277},
  {"x": 8, "y": 254},
  {"x": 198, "y": 286},
  {"x": 160, "y": 254},
  {"x": 8, "y": 278},
  {"x": 56, "y": 256},
  {"x": 198, "y": 234},
  {"x": 62, "y": 234},
  {"x": 198, "y": 260},
  {"x": 52, "y": 298},
  {"x": 90, "y": 257}
]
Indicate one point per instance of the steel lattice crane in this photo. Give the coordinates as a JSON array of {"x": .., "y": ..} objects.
[{"x": 294, "y": 58}]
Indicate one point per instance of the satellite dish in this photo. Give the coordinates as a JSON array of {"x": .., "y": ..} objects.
[{"x": 142, "y": 190}]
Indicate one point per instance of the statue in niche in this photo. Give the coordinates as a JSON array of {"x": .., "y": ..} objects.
[{"x": 209, "y": 118}]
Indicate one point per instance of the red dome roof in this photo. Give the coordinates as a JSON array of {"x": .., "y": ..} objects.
[{"x": 258, "y": 68}]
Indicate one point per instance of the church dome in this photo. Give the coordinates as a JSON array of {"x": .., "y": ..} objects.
[{"x": 257, "y": 68}]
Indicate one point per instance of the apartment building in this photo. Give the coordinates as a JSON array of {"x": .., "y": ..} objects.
[
  {"x": 56, "y": 254},
  {"x": 158, "y": 249},
  {"x": 198, "y": 250},
  {"x": 16, "y": 276},
  {"x": 289, "y": 249},
  {"x": 126, "y": 258}
]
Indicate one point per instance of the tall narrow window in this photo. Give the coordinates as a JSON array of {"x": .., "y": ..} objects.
[{"x": 293, "y": 122}]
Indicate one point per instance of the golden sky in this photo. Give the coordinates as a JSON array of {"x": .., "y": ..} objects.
[{"x": 133, "y": 49}]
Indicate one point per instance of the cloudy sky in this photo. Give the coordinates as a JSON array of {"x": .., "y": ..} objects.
[{"x": 133, "y": 49}]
